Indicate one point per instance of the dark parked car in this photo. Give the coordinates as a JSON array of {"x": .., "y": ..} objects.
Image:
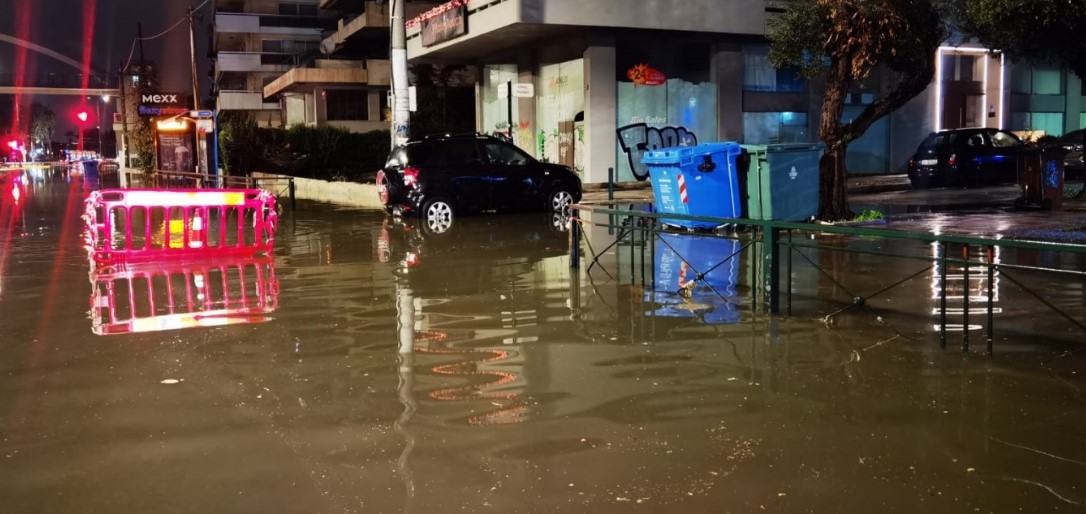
[
  {"x": 1074, "y": 166},
  {"x": 965, "y": 158},
  {"x": 444, "y": 176}
]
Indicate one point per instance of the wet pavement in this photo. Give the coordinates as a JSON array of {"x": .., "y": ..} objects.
[{"x": 407, "y": 371}]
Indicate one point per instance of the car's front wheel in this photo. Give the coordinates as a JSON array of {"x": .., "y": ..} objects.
[
  {"x": 437, "y": 215},
  {"x": 560, "y": 199}
]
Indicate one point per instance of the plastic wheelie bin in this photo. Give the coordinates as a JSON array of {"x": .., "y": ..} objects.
[
  {"x": 781, "y": 180},
  {"x": 695, "y": 180}
]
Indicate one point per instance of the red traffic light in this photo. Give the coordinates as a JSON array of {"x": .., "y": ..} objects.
[{"x": 82, "y": 115}]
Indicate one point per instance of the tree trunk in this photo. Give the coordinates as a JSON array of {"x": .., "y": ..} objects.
[{"x": 833, "y": 186}]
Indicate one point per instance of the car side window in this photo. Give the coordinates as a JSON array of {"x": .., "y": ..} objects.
[
  {"x": 1003, "y": 140},
  {"x": 462, "y": 153},
  {"x": 505, "y": 154},
  {"x": 976, "y": 141}
]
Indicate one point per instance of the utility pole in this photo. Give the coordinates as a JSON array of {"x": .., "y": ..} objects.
[
  {"x": 401, "y": 116},
  {"x": 192, "y": 57}
]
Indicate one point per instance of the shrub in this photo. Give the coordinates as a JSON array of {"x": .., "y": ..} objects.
[
  {"x": 325, "y": 153},
  {"x": 868, "y": 215}
]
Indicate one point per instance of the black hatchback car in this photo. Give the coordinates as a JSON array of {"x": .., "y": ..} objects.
[
  {"x": 444, "y": 176},
  {"x": 965, "y": 158},
  {"x": 1074, "y": 163}
]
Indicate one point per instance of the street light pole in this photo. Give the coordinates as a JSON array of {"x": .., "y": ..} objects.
[
  {"x": 98, "y": 120},
  {"x": 401, "y": 116}
]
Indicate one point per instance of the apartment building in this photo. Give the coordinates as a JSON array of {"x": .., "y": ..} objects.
[
  {"x": 254, "y": 42},
  {"x": 598, "y": 83}
]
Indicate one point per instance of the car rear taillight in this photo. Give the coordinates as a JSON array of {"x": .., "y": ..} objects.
[
  {"x": 912, "y": 163},
  {"x": 410, "y": 176},
  {"x": 952, "y": 160}
]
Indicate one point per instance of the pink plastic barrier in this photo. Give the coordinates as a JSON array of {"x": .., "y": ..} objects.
[
  {"x": 153, "y": 296},
  {"x": 129, "y": 225}
]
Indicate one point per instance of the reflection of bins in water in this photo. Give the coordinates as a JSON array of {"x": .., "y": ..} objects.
[
  {"x": 695, "y": 180},
  {"x": 714, "y": 298}
]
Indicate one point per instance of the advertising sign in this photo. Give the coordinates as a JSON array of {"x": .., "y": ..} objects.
[
  {"x": 445, "y": 22},
  {"x": 163, "y": 104}
]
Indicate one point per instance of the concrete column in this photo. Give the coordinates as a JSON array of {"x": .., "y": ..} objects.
[
  {"x": 1075, "y": 106},
  {"x": 600, "y": 107},
  {"x": 726, "y": 71}
]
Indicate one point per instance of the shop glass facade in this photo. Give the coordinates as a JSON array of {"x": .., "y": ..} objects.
[
  {"x": 560, "y": 114},
  {"x": 664, "y": 99},
  {"x": 496, "y": 113}
]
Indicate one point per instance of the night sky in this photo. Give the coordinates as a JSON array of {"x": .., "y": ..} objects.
[{"x": 59, "y": 26}]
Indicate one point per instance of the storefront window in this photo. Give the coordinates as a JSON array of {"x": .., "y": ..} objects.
[
  {"x": 759, "y": 75},
  {"x": 761, "y": 128},
  {"x": 560, "y": 114},
  {"x": 665, "y": 99},
  {"x": 496, "y": 113}
]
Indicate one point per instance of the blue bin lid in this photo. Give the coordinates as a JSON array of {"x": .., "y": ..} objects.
[{"x": 677, "y": 154}]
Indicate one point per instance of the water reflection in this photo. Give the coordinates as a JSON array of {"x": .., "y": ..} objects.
[
  {"x": 147, "y": 297},
  {"x": 696, "y": 277},
  {"x": 478, "y": 355}
]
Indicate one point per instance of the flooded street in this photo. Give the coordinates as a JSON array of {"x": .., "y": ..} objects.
[{"x": 390, "y": 369}]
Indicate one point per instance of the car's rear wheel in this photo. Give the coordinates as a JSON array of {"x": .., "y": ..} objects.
[
  {"x": 560, "y": 199},
  {"x": 437, "y": 215}
]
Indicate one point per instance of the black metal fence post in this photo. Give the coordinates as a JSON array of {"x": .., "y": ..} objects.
[
  {"x": 965, "y": 299},
  {"x": 772, "y": 254},
  {"x": 291, "y": 188},
  {"x": 575, "y": 240}
]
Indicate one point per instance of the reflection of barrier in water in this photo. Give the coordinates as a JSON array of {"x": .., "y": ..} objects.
[
  {"x": 679, "y": 290},
  {"x": 146, "y": 297},
  {"x": 147, "y": 224}
]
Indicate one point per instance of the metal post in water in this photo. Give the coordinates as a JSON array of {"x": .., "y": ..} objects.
[
  {"x": 942, "y": 295},
  {"x": 574, "y": 240},
  {"x": 611, "y": 184},
  {"x": 991, "y": 299},
  {"x": 772, "y": 255},
  {"x": 290, "y": 187},
  {"x": 789, "y": 259},
  {"x": 965, "y": 300}
]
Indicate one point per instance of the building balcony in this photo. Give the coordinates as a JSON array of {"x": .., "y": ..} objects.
[
  {"x": 253, "y": 62},
  {"x": 373, "y": 72},
  {"x": 244, "y": 101},
  {"x": 270, "y": 24}
]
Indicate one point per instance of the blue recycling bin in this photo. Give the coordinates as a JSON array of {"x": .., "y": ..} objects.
[
  {"x": 90, "y": 169},
  {"x": 695, "y": 180},
  {"x": 672, "y": 274}
]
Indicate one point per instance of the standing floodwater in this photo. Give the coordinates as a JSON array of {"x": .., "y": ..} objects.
[{"x": 395, "y": 369}]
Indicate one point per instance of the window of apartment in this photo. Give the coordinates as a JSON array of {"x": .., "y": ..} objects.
[
  {"x": 1034, "y": 80},
  {"x": 1050, "y": 123},
  {"x": 295, "y": 9},
  {"x": 759, "y": 75},
  {"x": 346, "y": 104},
  {"x": 761, "y": 128},
  {"x": 279, "y": 46}
]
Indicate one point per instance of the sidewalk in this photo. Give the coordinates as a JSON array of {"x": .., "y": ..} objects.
[{"x": 642, "y": 191}]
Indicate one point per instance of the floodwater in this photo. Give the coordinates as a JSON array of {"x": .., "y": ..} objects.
[{"x": 374, "y": 366}]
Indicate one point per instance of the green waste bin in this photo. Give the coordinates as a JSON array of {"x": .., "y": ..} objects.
[{"x": 782, "y": 180}]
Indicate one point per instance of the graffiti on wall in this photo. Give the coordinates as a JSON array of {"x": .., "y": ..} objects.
[{"x": 637, "y": 138}]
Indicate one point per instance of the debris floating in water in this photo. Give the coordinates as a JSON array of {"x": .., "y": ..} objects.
[{"x": 170, "y": 381}]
